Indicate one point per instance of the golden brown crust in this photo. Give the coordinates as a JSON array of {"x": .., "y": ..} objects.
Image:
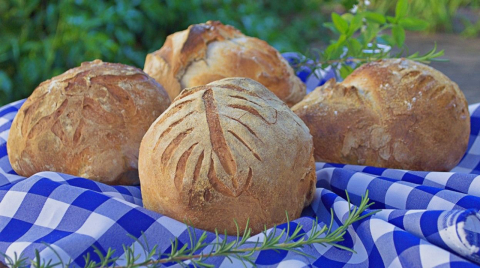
[
  {"x": 392, "y": 113},
  {"x": 87, "y": 122},
  {"x": 227, "y": 150},
  {"x": 211, "y": 51}
]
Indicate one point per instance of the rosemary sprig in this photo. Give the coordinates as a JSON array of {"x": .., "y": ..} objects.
[
  {"x": 198, "y": 250},
  {"x": 432, "y": 55}
]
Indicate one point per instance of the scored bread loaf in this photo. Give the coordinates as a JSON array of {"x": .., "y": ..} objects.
[
  {"x": 211, "y": 51},
  {"x": 393, "y": 113},
  {"x": 87, "y": 122},
  {"x": 227, "y": 150}
]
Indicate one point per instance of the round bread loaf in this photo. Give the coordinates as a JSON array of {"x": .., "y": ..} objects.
[
  {"x": 87, "y": 122},
  {"x": 211, "y": 51},
  {"x": 227, "y": 150},
  {"x": 393, "y": 113}
]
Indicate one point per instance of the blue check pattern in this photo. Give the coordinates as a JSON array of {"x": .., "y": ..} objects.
[{"x": 425, "y": 219}]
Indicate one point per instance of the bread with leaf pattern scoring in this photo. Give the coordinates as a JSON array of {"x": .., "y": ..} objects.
[
  {"x": 228, "y": 150},
  {"x": 87, "y": 122}
]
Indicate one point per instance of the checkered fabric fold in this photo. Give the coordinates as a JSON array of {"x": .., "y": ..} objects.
[{"x": 425, "y": 218}]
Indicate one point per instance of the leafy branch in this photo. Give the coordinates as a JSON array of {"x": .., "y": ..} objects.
[
  {"x": 240, "y": 248},
  {"x": 365, "y": 36}
]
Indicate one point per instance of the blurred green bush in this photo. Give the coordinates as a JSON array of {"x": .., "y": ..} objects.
[
  {"x": 441, "y": 14},
  {"x": 41, "y": 39}
]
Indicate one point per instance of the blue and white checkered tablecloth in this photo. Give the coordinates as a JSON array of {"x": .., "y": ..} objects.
[{"x": 426, "y": 219}]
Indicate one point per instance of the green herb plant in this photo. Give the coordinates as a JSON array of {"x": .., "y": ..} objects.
[
  {"x": 198, "y": 251},
  {"x": 365, "y": 36}
]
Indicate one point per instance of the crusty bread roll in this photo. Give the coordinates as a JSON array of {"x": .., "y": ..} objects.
[
  {"x": 211, "y": 51},
  {"x": 87, "y": 122},
  {"x": 393, "y": 113},
  {"x": 227, "y": 150}
]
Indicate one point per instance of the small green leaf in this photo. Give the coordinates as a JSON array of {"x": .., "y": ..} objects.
[
  {"x": 390, "y": 19},
  {"x": 375, "y": 17},
  {"x": 340, "y": 23},
  {"x": 413, "y": 24},
  {"x": 348, "y": 17},
  {"x": 354, "y": 47},
  {"x": 399, "y": 35},
  {"x": 331, "y": 51},
  {"x": 345, "y": 70},
  {"x": 401, "y": 9},
  {"x": 355, "y": 24},
  {"x": 341, "y": 40},
  {"x": 331, "y": 26},
  {"x": 370, "y": 33},
  {"x": 387, "y": 39}
]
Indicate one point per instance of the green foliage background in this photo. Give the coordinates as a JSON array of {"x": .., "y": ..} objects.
[
  {"x": 441, "y": 14},
  {"x": 41, "y": 39}
]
